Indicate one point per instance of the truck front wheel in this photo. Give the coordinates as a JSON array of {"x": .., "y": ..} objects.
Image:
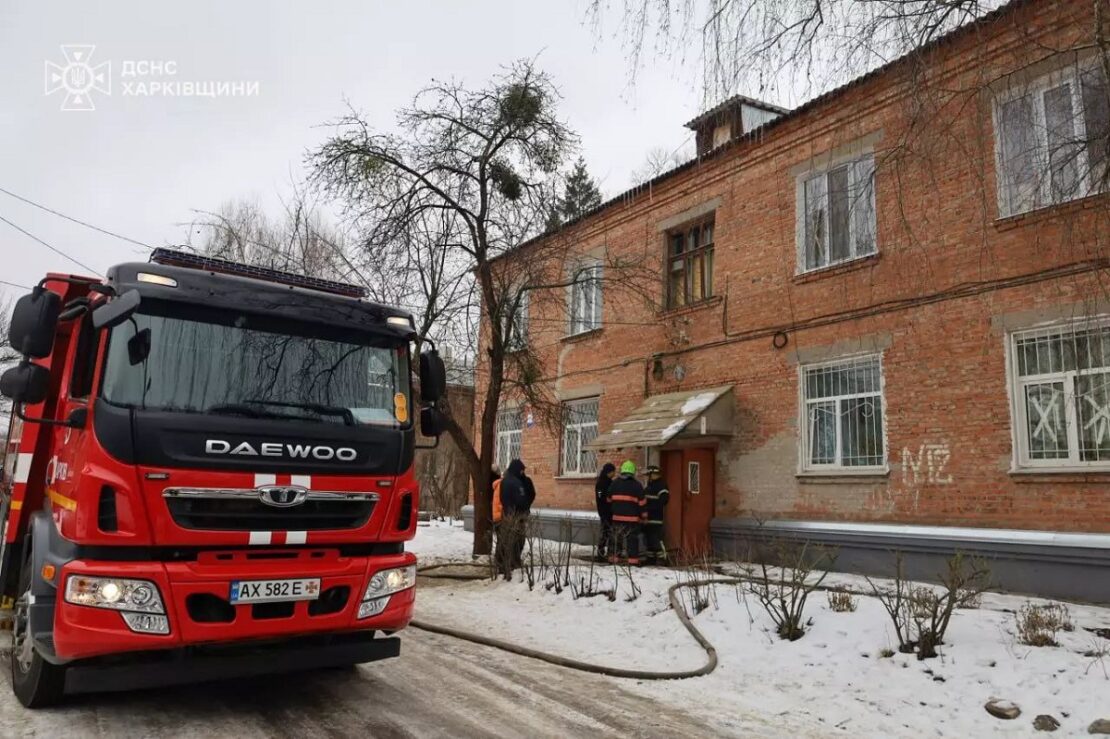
[{"x": 35, "y": 682}]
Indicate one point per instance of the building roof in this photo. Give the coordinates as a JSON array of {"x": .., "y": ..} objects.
[
  {"x": 732, "y": 102},
  {"x": 659, "y": 419},
  {"x": 760, "y": 132}
]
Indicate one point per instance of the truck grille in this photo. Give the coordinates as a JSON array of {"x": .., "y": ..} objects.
[{"x": 243, "y": 510}]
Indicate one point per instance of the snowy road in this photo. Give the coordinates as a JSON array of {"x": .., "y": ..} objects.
[{"x": 439, "y": 687}]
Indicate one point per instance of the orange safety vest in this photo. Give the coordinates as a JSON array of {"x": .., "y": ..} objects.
[{"x": 497, "y": 501}]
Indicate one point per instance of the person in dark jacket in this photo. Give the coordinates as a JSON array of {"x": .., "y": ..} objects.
[
  {"x": 604, "y": 510},
  {"x": 656, "y": 495},
  {"x": 516, "y": 502},
  {"x": 626, "y": 498}
]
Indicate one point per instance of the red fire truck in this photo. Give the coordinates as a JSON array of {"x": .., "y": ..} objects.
[{"x": 209, "y": 473}]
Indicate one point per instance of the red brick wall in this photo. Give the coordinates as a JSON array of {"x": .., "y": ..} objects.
[{"x": 943, "y": 355}]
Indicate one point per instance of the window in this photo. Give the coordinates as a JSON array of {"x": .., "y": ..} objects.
[
  {"x": 836, "y": 214},
  {"x": 693, "y": 478},
  {"x": 515, "y": 329},
  {"x": 579, "y": 429},
  {"x": 1062, "y": 395},
  {"x": 1051, "y": 139},
  {"x": 510, "y": 436},
  {"x": 690, "y": 264},
  {"x": 584, "y": 310},
  {"x": 84, "y": 359},
  {"x": 843, "y": 406}
]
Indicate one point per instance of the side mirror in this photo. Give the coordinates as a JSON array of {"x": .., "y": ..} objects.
[
  {"x": 138, "y": 347},
  {"x": 116, "y": 311},
  {"x": 433, "y": 377},
  {"x": 431, "y": 421},
  {"x": 34, "y": 320},
  {"x": 25, "y": 383}
]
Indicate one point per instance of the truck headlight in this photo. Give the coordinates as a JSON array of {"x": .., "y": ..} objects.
[
  {"x": 388, "y": 582},
  {"x": 140, "y": 596}
]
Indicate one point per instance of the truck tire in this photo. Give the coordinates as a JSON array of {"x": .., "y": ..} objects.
[{"x": 35, "y": 682}]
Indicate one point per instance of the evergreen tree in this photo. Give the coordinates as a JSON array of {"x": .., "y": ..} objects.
[{"x": 580, "y": 196}]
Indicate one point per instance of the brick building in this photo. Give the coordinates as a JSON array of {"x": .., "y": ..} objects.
[{"x": 882, "y": 319}]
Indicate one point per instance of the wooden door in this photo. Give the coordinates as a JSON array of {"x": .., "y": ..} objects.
[
  {"x": 698, "y": 500},
  {"x": 670, "y": 464}
]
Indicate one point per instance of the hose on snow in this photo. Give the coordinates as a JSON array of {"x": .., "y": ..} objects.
[{"x": 554, "y": 659}]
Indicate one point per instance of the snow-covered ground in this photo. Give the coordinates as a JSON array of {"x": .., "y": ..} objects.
[{"x": 835, "y": 677}]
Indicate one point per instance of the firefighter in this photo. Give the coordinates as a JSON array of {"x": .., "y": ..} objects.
[
  {"x": 604, "y": 510},
  {"x": 515, "y": 504},
  {"x": 626, "y": 500},
  {"x": 657, "y": 495}
]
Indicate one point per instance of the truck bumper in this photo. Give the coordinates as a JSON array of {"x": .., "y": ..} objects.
[
  {"x": 195, "y": 596},
  {"x": 198, "y": 664}
]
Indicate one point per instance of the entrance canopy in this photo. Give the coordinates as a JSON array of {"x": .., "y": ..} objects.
[{"x": 663, "y": 418}]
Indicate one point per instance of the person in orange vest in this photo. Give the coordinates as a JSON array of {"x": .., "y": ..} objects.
[
  {"x": 627, "y": 501},
  {"x": 495, "y": 476}
]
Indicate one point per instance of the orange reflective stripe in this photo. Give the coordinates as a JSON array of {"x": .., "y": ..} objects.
[
  {"x": 624, "y": 499},
  {"x": 627, "y": 519},
  {"x": 60, "y": 500}
]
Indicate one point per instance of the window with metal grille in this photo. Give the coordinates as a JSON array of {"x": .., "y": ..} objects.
[
  {"x": 1050, "y": 138},
  {"x": 690, "y": 264},
  {"x": 579, "y": 429},
  {"x": 693, "y": 482},
  {"x": 510, "y": 435},
  {"x": 837, "y": 214},
  {"x": 1062, "y": 395},
  {"x": 843, "y": 407},
  {"x": 584, "y": 298}
]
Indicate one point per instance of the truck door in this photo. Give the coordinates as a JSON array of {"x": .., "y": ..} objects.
[{"x": 64, "y": 468}]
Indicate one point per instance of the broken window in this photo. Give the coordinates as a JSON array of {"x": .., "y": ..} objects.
[
  {"x": 1063, "y": 395},
  {"x": 690, "y": 264},
  {"x": 584, "y": 309}
]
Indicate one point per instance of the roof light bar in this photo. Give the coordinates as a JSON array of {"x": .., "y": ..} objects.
[{"x": 174, "y": 258}]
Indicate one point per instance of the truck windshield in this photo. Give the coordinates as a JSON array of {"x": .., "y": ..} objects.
[{"x": 256, "y": 367}]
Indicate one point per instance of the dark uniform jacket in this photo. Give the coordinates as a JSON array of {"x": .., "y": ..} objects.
[
  {"x": 657, "y": 495},
  {"x": 626, "y": 497},
  {"x": 515, "y": 497}
]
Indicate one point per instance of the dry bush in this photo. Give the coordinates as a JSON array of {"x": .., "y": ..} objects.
[
  {"x": 1037, "y": 626},
  {"x": 698, "y": 592},
  {"x": 921, "y": 613},
  {"x": 841, "y": 601},
  {"x": 784, "y": 587},
  {"x": 970, "y": 601}
]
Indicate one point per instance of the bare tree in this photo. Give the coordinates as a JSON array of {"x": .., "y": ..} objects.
[
  {"x": 660, "y": 159},
  {"x": 473, "y": 176}
]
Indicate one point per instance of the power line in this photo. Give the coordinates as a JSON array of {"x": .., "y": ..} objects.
[
  {"x": 57, "y": 251},
  {"x": 12, "y": 284},
  {"x": 78, "y": 221}
]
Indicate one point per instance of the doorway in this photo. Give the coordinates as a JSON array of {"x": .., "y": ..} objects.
[{"x": 690, "y": 478}]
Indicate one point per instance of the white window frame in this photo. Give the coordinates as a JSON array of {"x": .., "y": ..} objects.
[
  {"x": 1044, "y": 196},
  {"x": 1019, "y": 426},
  {"x": 857, "y": 164},
  {"x": 515, "y": 331},
  {"x": 572, "y": 435},
  {"x": 805, "y": 467},
  {"x": 584, "y": 297},
  {"x": 507, "y": 438}
]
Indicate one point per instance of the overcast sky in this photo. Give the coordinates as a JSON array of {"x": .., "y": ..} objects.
[{"x": 139, "y": 164}]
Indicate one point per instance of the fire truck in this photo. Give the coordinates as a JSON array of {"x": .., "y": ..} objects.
[{"x": 209, "y": 474}]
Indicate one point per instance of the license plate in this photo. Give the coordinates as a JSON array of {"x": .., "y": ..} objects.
[{"x": 272, "y": 591}]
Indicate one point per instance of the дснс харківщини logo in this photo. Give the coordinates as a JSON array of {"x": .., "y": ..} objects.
[{"x": 78, "y": 77}]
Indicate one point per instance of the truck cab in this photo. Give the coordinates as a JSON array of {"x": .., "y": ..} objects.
[{"x": 212, "y": 475}]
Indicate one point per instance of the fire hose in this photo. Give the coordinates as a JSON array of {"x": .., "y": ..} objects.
[{"x": 675, "y": 603}]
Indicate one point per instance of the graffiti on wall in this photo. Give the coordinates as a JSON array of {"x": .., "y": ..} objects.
[{"x": 928, "y": 465}]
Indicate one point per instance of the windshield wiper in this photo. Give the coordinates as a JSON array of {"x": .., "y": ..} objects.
[
  {"x": 242, "y": 409},
  {"x": 323, "y": 410}
]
